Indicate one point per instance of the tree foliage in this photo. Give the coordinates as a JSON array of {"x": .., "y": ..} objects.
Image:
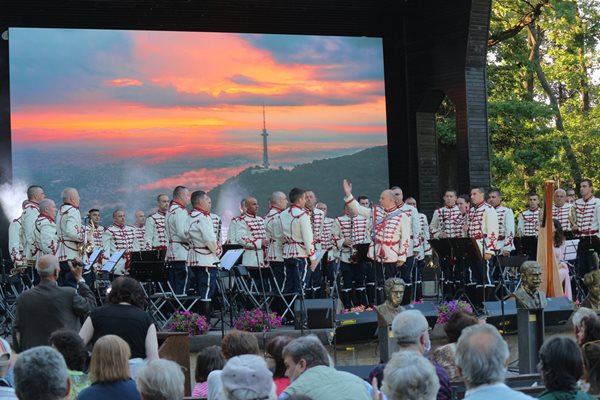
[{"x": 543, "y": 74}]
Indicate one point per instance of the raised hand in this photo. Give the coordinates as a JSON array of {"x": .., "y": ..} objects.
[{"x": 347, "y": 188}]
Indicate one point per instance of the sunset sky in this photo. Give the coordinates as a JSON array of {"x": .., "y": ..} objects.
[{"x": 186, "y": 108}]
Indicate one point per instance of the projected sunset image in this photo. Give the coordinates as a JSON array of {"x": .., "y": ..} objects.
[{"x": 124, "y": 115}]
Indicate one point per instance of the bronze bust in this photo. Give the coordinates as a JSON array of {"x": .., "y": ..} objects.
[
  {"x": 591, "y": 280},
  {"x": 529, "y": 296},
  {"x": 394, "y": 291}
]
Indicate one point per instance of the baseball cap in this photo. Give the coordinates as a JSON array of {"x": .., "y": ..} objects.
[
  {"x": 5, "y": 353},
  {"x": 247, "y": 374}
]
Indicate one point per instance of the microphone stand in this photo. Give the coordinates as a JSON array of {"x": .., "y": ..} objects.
[
  {"x": 264, "y": 298},
  {"x": 224, "y": 300}
]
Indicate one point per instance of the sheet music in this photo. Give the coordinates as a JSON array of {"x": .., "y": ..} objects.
[
  {"x": 92, "y": 259},
  {"x": 114, "y": 259},
  {"x": 230, "y": 258},
  {"x": 571, "y": 249}
]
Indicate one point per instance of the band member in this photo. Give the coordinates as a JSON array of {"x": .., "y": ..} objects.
[
  {"x": 31, "y": 211},
  {"x": 250, "y": 234},
  {"x": 506, "y": 223},
  {"x": 464, "y": 205},
  {"x": 231, "y": 230},
  {"x": 414, "y": 242},
  {"x": 364, "y": 201},
  {"x": 177, "y": 223},
  {"x": 204, "y": 249},
  {"x": 71, "y": 235},
  {"x": 316, "y": 221},
  {"x": 563, "y": 212},
  {"x": 448, "y": 221},
  {"x": 94, "y": 228},
  {"x": 274, "y": 233},
  {"x": 529, "y": 220},
  {"x": 16, "y": 240},
  {"x": 298, "y": 246},
  {"x": 423, "y": 252},
  {"x": 45, "y": 239},
  {"x": 217, "y": 226},
  {"x": 571, "y": 196},
  {"x": 326, "y": 246},
  {"x": 140, "y": 228},
  {"x": 390, "y": 245},
  {"x": 587, "y": 227},
  {"x": 119, "y": 236},
  {"x": 483, "y": 227},
  {"x": 349, "y": 231},
  {"x": 155, "y": 234}
]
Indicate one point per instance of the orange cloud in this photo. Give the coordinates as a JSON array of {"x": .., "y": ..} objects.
[
  {"x": 203, "y": 179},
  {"x": 121, "y": 82}
]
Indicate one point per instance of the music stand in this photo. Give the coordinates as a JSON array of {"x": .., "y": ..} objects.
[
  {"x": 112, "y": 262},
  {"x": 526, "y": 245},
  {"x": 228, "y": 260},
  {"x": 465, "y": 249}
]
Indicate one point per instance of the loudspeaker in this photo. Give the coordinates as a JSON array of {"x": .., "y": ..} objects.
[
  {"x": 428, "y": 310},
  {"x": 493, "y": 310},
  {"x": 356, "y": 327},
  {"x": 558, "y": 311},
  {"x": 318, "y": 311}
]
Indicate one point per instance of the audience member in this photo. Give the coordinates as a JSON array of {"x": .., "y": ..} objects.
[
  {"x": 274, "y": 359},
  {"x": 109, "y": 371},
  {"x": 71, "y": 347},
  {"x": 125, "y": 317},
  {"x": 235, "y": 343},
  {"x": 247, "y": 377},
  {"x": 481, "y": 361},
  {"x": 579, "y": 319},
  {"x": 6, "y": 390},
  {"x": 209, "y": 359},
  {"x": 411, "y": 331},
  {"x": 41, "y": 373},
  {"x": 410, "y": 376},
  {"x": 307, "y": 366},
  {"x": 444, "y": 355},
  {"x": 591, "y": 361},
  {"x": 561, "y": 366},
  {"x": 161, "y": 380},
  {"x": 49, "y": 307}
]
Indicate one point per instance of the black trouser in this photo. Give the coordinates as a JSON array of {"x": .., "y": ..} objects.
[
  {"x": 178, "y": 276},
  {"x": 588, "y": 245},
  {"x": 205, "y": 282},
  {"x": 279, "y": 273},
  {"x": 316, "y": 280},
  {"x": 481, "y": 288},
  {"x": 298, "y": 274}
]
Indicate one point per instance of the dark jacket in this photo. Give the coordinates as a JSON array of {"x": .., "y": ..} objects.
[
  {"x": 565, "y": 395},
  {"x": 46, "y": 308}
]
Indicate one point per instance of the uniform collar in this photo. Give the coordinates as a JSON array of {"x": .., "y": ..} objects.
[
  {"x": 177, "y": 203},
  {"x": 162, "y": 213},
  {"x": 392, "y": 209},
  {"x": 589, "y": 198},
  {"x": 202, "y": 211},
  {"x": 483, "y": 203},
  {"x": 119, "y": 225},
  {"x": 277, "y": 209},
  {"x": 69, "y": 204},
  {"x": 250, "y": 215},
  {"x": 49, "y": 218},
  {"x": 297, "y": 206}
]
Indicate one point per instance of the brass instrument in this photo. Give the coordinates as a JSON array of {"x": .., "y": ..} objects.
[
  {"x": 573, "y": 216},
  {"x": 87, "y": 246},
  {"x": 18, "y": 268}
]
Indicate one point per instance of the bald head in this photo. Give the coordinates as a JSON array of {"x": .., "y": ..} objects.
[
  {"x": 48, "y": 267},
  {"x": 48, "y": 208},
  {"x": 35, "y": 193},
  {"x": 279, "y": 200},
  {"x": 70, "y": 196},
  {"x": 251, "y": 205},
  {"x": 387, "y": 199}
]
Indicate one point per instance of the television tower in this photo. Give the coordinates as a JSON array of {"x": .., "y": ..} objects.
[{"x": 264, "y": 134}]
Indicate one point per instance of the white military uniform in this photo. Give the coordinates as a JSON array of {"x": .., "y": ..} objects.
[
  {"x": 16, "y": 241},
  {"x": 448, "y": 220},
  {"x": 274, "y": 233},
  {"x": 506, "y": 229},
  {"x": 251, "y": 234},
  {"x": 45, "y": 240},
  {"x": 588, "y": 216},
  {"x": 231, "y": 230},
  {"x": 297, "y": 233},
  {"x": 31, "y": 210},
  {"x": 326, "y": 238},
  {"x": 483, "y": 227},
  {"x": 155, "y": 234},
  {"x": 120, "y": 237},
  {"x": 415, "y": 226},
  {"x": 528, "y": 223},
  {"x": 392, "y": 242},
  {"x": 70, "y": 232},
  {"x": 177, "y": 222},
  {"x": 217, "y": 226},
  {"x": 563, "y": 215},
  {"x": 316, "y": 222},
  {"x": 354, "y": 229},
  {"x": 140, "y": 232},
  {"x": 204, "y": 249},
  {"x": 424, "y": 248}
]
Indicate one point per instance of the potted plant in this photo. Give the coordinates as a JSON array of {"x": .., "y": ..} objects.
[
  {"x": 256, "y": 320},
  {"x": 447, "y": 308},
  {"x": 189, "y": 322}
]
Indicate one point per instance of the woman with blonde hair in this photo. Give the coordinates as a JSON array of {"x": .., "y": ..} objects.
[{"x": 109, "y": 371}]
